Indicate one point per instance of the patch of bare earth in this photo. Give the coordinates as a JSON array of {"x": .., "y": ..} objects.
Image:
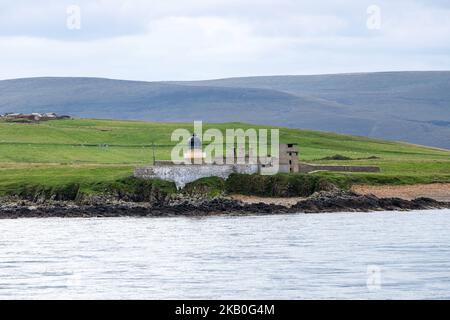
[
  {"x": 287, "y": 202},
  {"x": 437, "y": 191}
]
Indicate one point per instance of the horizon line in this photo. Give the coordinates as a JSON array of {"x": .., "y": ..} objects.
[{"x": 227, "y": 78}]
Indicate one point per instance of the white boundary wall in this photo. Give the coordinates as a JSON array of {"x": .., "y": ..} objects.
[{"x": 183, "y": 174}]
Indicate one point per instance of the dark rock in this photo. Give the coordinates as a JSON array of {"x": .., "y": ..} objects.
[{"x": 324, "y": 201}]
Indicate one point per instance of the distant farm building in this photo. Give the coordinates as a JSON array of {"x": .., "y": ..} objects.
[{"x": 34, "y": 117}]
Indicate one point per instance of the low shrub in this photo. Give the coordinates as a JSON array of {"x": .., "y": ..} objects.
[
  {"x": 210, "y": 187},
  {"x": 280, "y": 185},
  {"x": 137, "y": 190},
  {"x": 128, "y": 189},
  {"x": 336, "y": 157},
  {"x": 39, "y": 192}
]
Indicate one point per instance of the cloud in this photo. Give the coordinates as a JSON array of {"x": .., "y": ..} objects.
[{"x": 198, "y": 39}]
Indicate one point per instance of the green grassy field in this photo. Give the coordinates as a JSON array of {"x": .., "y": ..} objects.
[{"x": 73, "y": 151}]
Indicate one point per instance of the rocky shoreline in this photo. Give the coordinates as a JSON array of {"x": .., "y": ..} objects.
[{"x": 320, "y": 202}]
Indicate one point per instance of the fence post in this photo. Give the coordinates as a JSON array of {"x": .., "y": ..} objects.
[{"x": 153, "y": 151}]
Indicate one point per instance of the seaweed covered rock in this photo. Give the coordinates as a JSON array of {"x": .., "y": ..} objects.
[
  {"x": 342, "y": 201},
  {"x": 323, "y": 201}
]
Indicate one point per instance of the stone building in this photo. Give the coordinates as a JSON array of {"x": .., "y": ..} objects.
[
  {"x": 195, "y": 168},
  {"x": 289, "y": 162}
]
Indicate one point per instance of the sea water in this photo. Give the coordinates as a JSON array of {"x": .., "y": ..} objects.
[{"x": 382, "y": 255}]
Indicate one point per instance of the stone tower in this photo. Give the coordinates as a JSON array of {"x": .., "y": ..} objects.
[{"x": 289, "y": 158}]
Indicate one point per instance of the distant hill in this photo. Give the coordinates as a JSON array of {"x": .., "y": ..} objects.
[{"x": 406, "y": 106}]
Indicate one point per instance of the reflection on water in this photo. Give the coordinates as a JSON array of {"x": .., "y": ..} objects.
[{"x": 360, "y": 256}]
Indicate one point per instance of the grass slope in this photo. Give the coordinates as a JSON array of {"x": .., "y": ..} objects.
[{"x": 91, "y": 152}]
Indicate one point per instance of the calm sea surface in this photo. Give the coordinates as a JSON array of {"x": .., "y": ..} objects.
[{"x": 350, "y": 256}]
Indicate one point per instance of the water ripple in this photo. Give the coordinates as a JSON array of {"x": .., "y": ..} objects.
[{"x": 281, "y": 257}]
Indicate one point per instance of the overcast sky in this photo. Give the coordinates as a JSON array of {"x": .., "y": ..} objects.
[{"x": 204, "y": 39}]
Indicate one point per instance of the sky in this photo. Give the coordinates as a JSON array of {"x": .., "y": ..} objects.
[{"x": 207, "y": 39}]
